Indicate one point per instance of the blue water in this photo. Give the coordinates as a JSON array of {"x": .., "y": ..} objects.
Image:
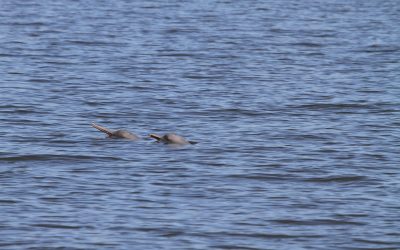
[{"x": 295, "y": 105}]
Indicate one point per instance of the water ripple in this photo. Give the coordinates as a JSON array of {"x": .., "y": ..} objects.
[{"x": 52, "y": 157}]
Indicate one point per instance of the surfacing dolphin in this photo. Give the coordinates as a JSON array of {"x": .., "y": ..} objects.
[
  {"x": 121, "y": 133},
  {"x": 171, "y": 138}
]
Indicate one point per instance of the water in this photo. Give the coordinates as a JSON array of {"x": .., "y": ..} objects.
[{"x": 295, "y": 105}]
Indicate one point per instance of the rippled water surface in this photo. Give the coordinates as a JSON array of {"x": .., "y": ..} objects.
[{"x": 295, "y": 105}]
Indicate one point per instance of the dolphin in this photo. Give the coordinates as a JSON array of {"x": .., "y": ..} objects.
[
  {"x": 121, "y": 133},
  {"x": 171, "y": 138}
]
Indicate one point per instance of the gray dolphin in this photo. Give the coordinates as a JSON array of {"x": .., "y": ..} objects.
[
  {"x": 171, "y": 138},
  {"x": 121, "y": 133}
]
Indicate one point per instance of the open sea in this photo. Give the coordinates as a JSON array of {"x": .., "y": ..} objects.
[{"x": 295, "y": 106}]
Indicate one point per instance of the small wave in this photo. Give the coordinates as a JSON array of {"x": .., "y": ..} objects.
[
  {"x": 333, "y": 106},
  {"x": 266, "y": 235},
  {"x": 308, "y": 137},
  {"x": 199, "y": 77},
  {"x": 11, "y": 106},
  {"x": 262, "y": 176},
  {"x": 378, "y": 48},
  {"x": 49, "y": 157},
  {"x": 94, "y": 43},
  {"x": 307, "y": 44},
  {"x": 378, "y": 242},
  {"x": 8, "y": 201},
  {"x": 337, "y": 179},
  {"x": 318, "y": 222},
  {"x": 233, "y": 247},
  {"x": 21, "y": 111},
  {"x": 7, "y": 55},
  {"x": 82, "y": 170},
  {"x": 51, "y": 199},
  {"x": 177, "y": 54},
  {"x": 59, "y": 63},
  {"x": 27, "y": 24},
  {"x": 40, "y": 80},
  {"x": 233, "y": 111},
  {"x": 14, "y": 244},
  {"x": 55, "y": 226}
]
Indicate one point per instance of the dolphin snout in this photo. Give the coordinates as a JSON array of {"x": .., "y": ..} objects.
[{"x": 158, "y": 138}]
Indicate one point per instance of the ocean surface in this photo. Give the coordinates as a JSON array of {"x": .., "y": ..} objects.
[{"x": 295, "y": 106}]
